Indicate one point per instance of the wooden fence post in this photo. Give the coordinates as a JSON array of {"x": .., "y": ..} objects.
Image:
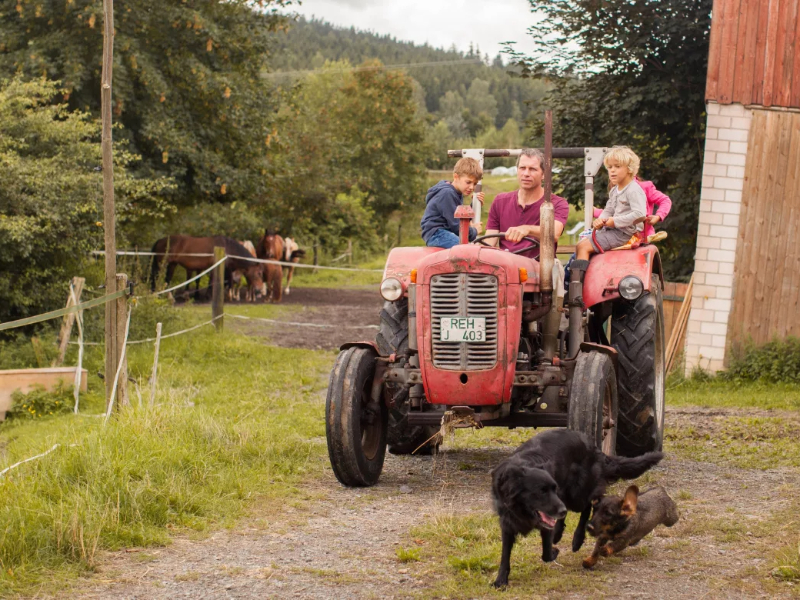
[
  {"x": 154, "y": 376},
  {"x": 69, "y": 320},
  {"x": 218, "y": 289},
  {"x": 122, "y": 316},
  {"x": 78, "y": 370},
  {"x": 350, "y": 251},
  {"x": 109, "y": 216},
  {"x": 399, "y": 233},
  {"x": 316, "y": 254}
]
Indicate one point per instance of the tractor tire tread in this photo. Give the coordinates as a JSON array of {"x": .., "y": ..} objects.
[{"x": 633, "y": 335}]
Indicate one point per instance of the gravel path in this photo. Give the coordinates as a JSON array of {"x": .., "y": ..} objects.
[{"x": 340, "y": 543}]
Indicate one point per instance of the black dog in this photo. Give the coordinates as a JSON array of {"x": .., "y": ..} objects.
[{"x": 555, "y": 471}]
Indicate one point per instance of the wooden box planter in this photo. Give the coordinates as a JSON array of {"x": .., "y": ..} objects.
[{"x": 26, "y": 379}]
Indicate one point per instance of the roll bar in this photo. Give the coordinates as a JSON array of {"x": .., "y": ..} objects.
[{"x": 593, "y": 160}]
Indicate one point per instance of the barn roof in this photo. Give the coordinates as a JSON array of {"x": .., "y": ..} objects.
[{"x": 752, "y": 57}]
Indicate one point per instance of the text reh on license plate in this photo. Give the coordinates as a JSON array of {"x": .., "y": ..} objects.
[{"x": 463, "y": 329}]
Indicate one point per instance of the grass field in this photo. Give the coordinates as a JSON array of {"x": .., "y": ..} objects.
[{"x": 235, "y": 422}]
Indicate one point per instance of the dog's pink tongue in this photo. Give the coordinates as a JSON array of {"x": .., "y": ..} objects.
[{"x": 547, "y": 520}]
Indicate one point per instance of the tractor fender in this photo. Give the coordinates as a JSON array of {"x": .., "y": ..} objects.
[
  {"x": 401, "y": 260},
  {"x": 361, "y": 344},
  {"x": 601, "y": 282},
  {"x": 607, "y": 350}
]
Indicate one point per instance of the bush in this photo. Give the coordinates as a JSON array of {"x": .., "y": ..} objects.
[
  {"x": 777, "y": 361},
  {"x": 41, "y": 403},
  {"x": 50, "y": 211}
]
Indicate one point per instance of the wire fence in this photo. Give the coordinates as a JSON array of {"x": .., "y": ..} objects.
[
  {"x": 266, "y": 261},
  {"x": 74, "y": 307}
]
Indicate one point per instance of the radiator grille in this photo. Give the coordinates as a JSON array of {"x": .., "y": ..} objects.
[{"x": 464, "y": 295}]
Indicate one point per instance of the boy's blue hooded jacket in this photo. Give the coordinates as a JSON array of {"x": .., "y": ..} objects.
[{"x": 442, "y": 201}]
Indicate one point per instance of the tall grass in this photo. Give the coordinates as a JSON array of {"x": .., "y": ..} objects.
[{"x": 236, "y": 421}]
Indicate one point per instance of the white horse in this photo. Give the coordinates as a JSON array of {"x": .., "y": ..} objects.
[{"x": 292, "y": 253}]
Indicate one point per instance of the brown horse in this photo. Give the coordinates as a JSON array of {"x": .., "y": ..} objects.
[
  {"x": 270, "y": 247},
  {"x": 197, "y": 254}
]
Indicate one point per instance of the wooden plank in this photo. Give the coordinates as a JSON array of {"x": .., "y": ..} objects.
[
  {"x": 680, "y": 327},
  {"x": 218, "y": 289},
  {"x": 727, "y": 67},
  {"x": 780, "y": 209},
  {"x": 789, "y": 45},
  {"x": 744, "y": 272},
  {"x": 788, "y": 317},
  {"x": 789, "y": 292},
  {"x": 714, "y": 49},
  {"x": 26, "y": 380},
  {"x": 669, "y": 307},
  {"x": 69, "y": 321},
  {"x": 780, "y": 45},
  {"x": 769, "y": 52},
  {"x": 738, "y": 50},
  {"x": 768, "y": 201},
  {"x": 793, "y": 304},
  {"x": 794, "y": 99},
  {"x": 123, "y": 399},
  {"x": 757, "y": 96},
  {"x": 743, "y": 88}
]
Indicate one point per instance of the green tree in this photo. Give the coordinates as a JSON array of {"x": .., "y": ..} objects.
[
  {"x": 480, "y": 100},
  {"x": 630, "y": 72},
  {"x": 51, "y": 198},
  {"x": 187, "y": 80},
  {"x": 348, "y": 140}
]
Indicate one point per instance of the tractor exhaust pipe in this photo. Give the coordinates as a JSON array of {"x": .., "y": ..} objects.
[{"x": 547, "y": 252}]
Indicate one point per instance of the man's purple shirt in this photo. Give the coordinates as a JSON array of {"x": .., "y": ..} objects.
[{"x": 506, "y": 212}]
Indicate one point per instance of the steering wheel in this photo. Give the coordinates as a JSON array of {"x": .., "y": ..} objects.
[{"x": 480, "y": 238}]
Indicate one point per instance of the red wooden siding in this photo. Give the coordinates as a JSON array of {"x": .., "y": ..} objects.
[{"x": 753, "y": 50}]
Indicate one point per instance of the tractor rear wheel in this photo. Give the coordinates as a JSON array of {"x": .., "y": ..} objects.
[
  {"x": 637, "y": 333},
  {"x": 593, "y": 400},
  {"x": 355, "y": 427},
  {"x": 393, "y": 339}
]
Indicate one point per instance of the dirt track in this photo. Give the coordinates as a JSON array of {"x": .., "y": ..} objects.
[
  {"x": 340, "y": 543},
  {"x": 322, "y": 306}
]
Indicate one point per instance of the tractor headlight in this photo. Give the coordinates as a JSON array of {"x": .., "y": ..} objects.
[
  {"x": 631, "y": 287},
  {"x": 391, "y": 289}
]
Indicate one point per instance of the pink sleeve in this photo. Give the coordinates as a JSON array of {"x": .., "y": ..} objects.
[{"x": 656, "y": 198}]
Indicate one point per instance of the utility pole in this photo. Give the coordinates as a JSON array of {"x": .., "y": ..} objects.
[{"x": 109, "y": 217}]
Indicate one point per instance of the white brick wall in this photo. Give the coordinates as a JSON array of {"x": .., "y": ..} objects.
[{"x": 727, "y": 127}]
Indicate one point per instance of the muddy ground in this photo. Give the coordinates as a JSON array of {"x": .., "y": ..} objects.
[
  {"x": 346, "y": 315},
  {"x": 341, "y": 543}
]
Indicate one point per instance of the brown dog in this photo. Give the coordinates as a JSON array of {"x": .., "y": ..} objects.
[{"x": 621, "y": 522}]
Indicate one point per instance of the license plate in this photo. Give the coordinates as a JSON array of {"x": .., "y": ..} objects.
[{"x": 463, "y": 329}]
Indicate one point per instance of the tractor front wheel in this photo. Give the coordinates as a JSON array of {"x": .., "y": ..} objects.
[
  {"x": 355, "y": 426},
  {"x": 637, "y": 333},
  {"x": 593, "y": 400},
  {"x": 393, "y": 339}
]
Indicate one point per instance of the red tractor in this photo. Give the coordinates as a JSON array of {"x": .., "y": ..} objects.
[{"x": 489, "y": 337}]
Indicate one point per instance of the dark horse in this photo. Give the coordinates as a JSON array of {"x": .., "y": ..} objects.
[{"x": 181, "y": 250}]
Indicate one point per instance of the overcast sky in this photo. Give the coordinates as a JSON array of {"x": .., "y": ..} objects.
[{"x": 440, "y": 23}]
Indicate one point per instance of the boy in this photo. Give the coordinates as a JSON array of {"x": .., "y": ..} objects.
[
  {"x": 439, "y": 225},
  {"x": 626, "y": 209}
]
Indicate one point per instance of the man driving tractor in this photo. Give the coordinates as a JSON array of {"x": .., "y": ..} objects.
[{"x": 517, "y": 213}]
